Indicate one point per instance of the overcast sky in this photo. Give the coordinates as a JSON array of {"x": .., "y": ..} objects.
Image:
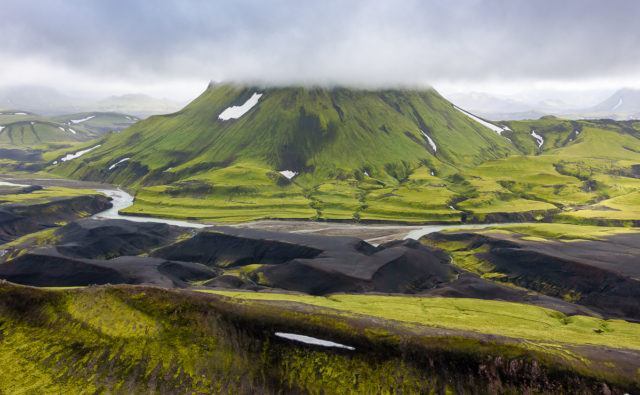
[{"x": 172, "y": 48}]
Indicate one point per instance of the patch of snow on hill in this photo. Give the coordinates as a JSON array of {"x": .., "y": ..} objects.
[
  {"x": 538, "y": 138},
  {"x": 431, "y": 142},
  {"x": 617, "y": 105},
  {"x": 72, "y": 131},
  {"x": 311, "y": 340},
  {"x": 11, "y": 184},
  {"x": 495, "y": 128},
  {"x": 288, "y": 173},
  {"x": 76, "y": 121},
  {"x": 1, "y": 127},
  {"x": 113, "y": 166},
  {"x": 235, "y": 112},
  {"x": 78, "y": 154}
]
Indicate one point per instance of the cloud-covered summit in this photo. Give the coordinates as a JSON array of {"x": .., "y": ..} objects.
[{"x": 136, "y": 43}]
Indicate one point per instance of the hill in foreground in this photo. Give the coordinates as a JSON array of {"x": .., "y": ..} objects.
[{"x": 145, "y": 339}]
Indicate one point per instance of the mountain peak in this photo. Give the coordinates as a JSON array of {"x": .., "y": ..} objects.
[{"x": 322, "y": 133}]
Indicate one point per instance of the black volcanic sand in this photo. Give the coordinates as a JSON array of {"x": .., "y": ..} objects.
[
  {"x": 93, "y": 251},
  {"x": 105, "y": 239},
  {"x": 18, "y": 219},
  {"x": 324, "y": 264},
  {"x": 105, "y": 252},
  {"x": 603, "y": 275},
  {"x": 317, "y": 264},
  {"x": 46, "y": 267}
]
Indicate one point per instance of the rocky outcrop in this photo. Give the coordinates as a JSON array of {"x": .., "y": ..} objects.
[
  {"x": 599, "y": 274},
  {"x": 20, "y": 219},
  {"x": 317, "y": 264}
]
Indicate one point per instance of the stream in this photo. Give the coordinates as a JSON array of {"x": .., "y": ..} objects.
[
  {"x": 372, "y": 233},
  {"x": 122, "y": 200}
]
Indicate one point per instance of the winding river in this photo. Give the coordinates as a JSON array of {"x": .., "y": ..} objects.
[
  {"x": 122, "y": 200},
  {"x": 372, "y": 233}
]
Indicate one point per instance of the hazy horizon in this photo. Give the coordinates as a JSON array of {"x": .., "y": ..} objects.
[{"x": 524, "y": 50}]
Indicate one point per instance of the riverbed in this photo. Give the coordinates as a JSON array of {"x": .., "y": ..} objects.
[{"x": 372, "y": 233}]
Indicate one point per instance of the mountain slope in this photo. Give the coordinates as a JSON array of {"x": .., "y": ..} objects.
[
  {"x": 305, "y": 129},
  {"x": 294, "y": 153},
  {"x": 242, "y": 153},
  {"x": 623, "y": 104}
]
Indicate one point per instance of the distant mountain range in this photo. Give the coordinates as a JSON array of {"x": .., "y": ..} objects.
[
  {"x": 48, "y": 101},
  {"x": 624, "y": 104}
]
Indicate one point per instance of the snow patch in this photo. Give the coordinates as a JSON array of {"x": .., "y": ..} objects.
[
  {"x": 55, "y": 162},
  {"x": 11, "y": 184},
  {"x": 76, "y": 121},
  {"x": 311, "y": 340},
  {"x": 366, "y": 173},
  {"x": 118, "y": 162},
  {"x": 72, "y": 131},
  {"x": 617, "y": 105},
  {"x": 538, "y": 138},
  {"x": 32, "y": 123},
  {"x": 19, "y": 113},
  {"x": 431, "y": 142},
  {"x": 78, "y": 154},
  {"x": 1, "y": 127},
  {"x": 495, "y": 128},
  {"x": 288, "y": 173},
  {"x": 235, "y": 112}
]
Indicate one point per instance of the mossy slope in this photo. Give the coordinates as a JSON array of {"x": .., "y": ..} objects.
[{"x": 133, "y": 339}]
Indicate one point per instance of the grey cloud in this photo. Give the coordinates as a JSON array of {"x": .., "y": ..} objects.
[{"x": 344, "y": 42}]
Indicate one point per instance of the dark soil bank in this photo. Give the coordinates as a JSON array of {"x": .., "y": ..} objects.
[
  {"x": 91, "y": 251},
  {"x": 602, "y": 275},
  {"x": 20, "y": 219}
]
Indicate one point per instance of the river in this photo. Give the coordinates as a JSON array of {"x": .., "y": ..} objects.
[{"x": 372, "y": 233}]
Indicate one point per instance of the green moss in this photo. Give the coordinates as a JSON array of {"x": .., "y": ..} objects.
[
  {"x": 109, "y": 315},
  {"x": 484, "y": 316},
  {"x": 140, "y": 340}
]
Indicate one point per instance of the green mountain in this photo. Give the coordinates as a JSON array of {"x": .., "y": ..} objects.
[
  {"x": 23, "y": 130},
  {"x": 308, "y": 131},
  {"x": 325, "y": 136},
  {"x": 98, "y": 122},
  {"x": 243, "y": 153},
  {"x": 29, "y": 141}
]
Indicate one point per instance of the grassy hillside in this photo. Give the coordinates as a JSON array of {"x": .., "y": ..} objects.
[
  {"x": 362, "y": 155},
  {"x": 30, "y": 142},
  {"x": 344, "y": 144},
  {"x": 137, "y": 339},
  {"x": 483, "y": 316},
  {"x": 24, "y": 130}
]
